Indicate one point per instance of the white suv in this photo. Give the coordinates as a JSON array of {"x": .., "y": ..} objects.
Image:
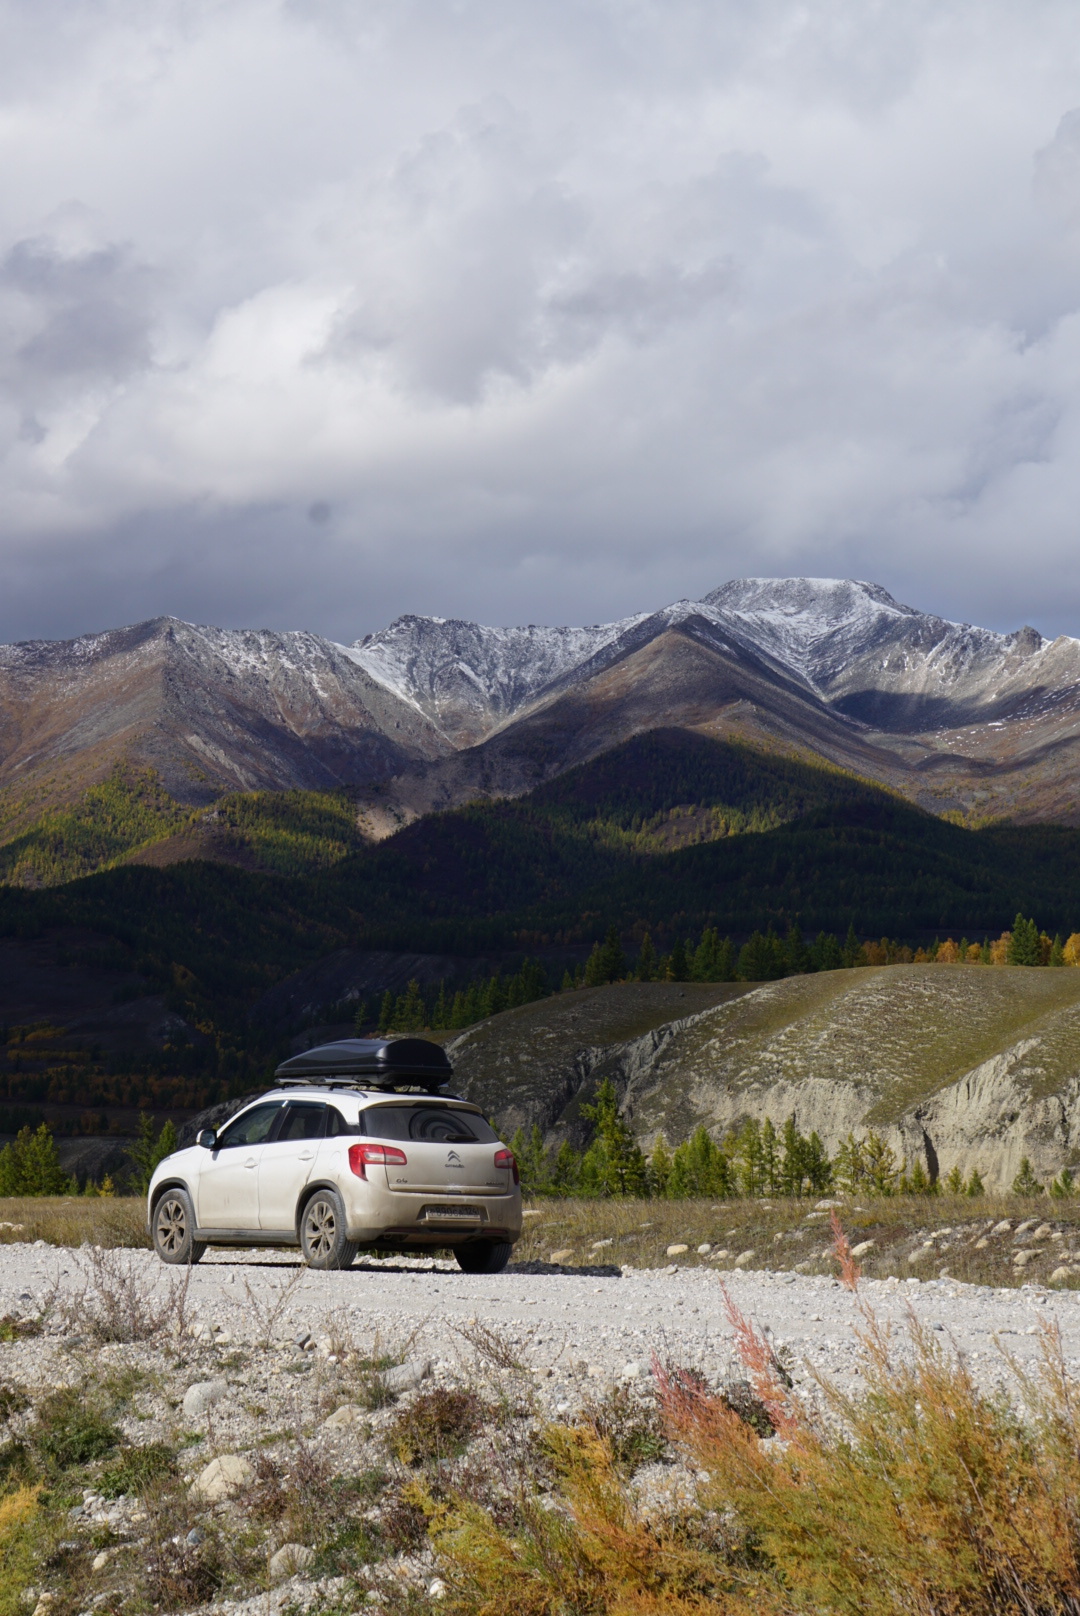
[{"x": 359, "y": 1146}]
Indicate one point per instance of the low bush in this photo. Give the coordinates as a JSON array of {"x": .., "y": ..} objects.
[
  {"x": 73, "y": 1427},
  {"x": 437, "y": 1425}
]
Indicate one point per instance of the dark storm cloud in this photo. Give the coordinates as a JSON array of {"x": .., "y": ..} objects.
[{"x": 315, "y": 313}]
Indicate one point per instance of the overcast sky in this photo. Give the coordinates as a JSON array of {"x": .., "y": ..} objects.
[{"x": 535, "y": 310}]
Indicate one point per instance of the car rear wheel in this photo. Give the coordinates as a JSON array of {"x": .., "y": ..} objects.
[
  {"x": 174, "y": 1229},
  {"x": 484, "y": 1256},
  {"x": 323, "y": 1237}
]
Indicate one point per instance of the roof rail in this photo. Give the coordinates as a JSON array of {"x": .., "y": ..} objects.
[{"x": 442, "y": 1092}]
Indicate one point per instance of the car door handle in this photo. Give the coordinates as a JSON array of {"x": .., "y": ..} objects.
[
  {"x": 252, "y": 1161},
  {"x": 306, "y": 1155}
]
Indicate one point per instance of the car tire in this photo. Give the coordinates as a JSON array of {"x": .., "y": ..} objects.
[
  {"x": 484, "y": 1256},
  {"x": 173, "y": 1229},
  {"x": 323, "y": 1237}
]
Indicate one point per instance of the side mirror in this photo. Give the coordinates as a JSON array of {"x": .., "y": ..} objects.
[{"x": 207, "y": 1138}]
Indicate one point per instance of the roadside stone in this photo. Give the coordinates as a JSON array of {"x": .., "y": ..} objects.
[
  {"x": 981, "y": 1245},
  {"x": 289, "y": 1559},
  {"x": 598, "y": 1245},
  {"x": 1028, "y": 1224},
  {"x": 1060, "y": 1275},
  {"x": 202, "y": 1395},
  {"x": 221, "y": 1478},
  {"x": 1003, "y": 1227},
  {"x": 403, "y": 1377},
  {"x": 863, "y": 1247},
  {"x": 100, "y": 1561},
  {"x": 677, "y": 1250},
  {"x": 743, "y": 1258},
  {"x": 1043, "y": 1232},
  {"x": 340, "y": 1420},
  {"x": 704, "y": 1249},
  {"x": 1022, "y": 1258},
  {"x": 562, "y": 1256},
  {"x": 824, "y": 1206}
]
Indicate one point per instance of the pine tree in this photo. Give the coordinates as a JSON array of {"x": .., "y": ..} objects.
[
  {"x": 645, "y": 970},
  {"x": 796, "y": 953},
  {"x": 1057, "y": 952},
  {"x": 532, "y": 1161},
  {"x": 678, "y": 967},
  {"x": 747, "y": 1158},
  {"x": 613, "y": 1165},
  {"x": 1062, "y": 1188},
  {"x": 440, "y": 1016},
  {"x": 1024, "y": 943},
  {"x": 567, "y": 984},
  {"x": 409, "y": 1012},
  {"x": 566, "y": 1173},
  {"x": 149, "y": 1150},
  {"x": 1025, "y": 1183},
  {"x": 29, "y": 1165},
  {"x": 975, "y": 1185},
  {"x": 361, "y": 1017},
  {"x": 918, "y": 1182},
  {"x": 849, "y": 1168},
  {"x": 826, "y": 953},
  {"x": 770, "y": 1158},
  {"x": 660, "y": 1166},
  {"x": 954, "y": 1182},
  {"x": 386, "y": 1012},
  {"x": 853, "y": 950}
]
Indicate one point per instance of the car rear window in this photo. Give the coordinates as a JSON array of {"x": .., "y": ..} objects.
[{"x": 437, "y": 1124}]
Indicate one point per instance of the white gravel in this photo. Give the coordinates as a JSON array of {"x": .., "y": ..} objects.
[{"x": 568, "y": 1323}]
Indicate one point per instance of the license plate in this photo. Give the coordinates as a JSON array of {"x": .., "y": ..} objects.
[{"x": 455, "y": 1214}]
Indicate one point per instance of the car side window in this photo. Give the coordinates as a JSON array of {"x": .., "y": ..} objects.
[
  {"x": 251, "y": 1128},
  {"x": 335, "y": 1123},
  {"x": 301, "y": 1122}
]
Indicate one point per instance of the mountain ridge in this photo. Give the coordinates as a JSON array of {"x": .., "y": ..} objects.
[{"x": 431, "y": 712}]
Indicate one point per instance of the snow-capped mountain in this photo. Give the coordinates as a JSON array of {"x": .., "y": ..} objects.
[{"x": 431, "y": 711}]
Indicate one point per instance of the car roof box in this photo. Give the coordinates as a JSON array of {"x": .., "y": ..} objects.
[{"x": 382, "y": 1061}]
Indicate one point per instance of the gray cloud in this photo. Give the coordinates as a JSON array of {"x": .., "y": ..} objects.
[{"x": 315, "y": 313}]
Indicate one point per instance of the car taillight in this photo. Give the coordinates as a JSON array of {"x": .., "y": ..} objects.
[
  {"x": 360, "y": 1156},
  {"x": 506, "y": 1158}
]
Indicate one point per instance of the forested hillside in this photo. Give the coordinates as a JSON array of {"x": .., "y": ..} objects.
[{"x": 775, "y": 843}]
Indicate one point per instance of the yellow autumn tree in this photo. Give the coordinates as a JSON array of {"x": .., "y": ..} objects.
[
  {"x": 948, "y": 952},
  {"x": 999, "y": 950},
  {"x": 1071, "y": 950}
]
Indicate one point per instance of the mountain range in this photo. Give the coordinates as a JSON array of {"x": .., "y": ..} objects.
[{"x": 430, "y": 712}]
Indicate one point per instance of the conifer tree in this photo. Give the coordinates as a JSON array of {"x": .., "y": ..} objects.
[
  {"x": 30, "y": 1165},
  {"x": 646, "y": 960},
  {"x": 678, "y": 967},
  {"x": 360, "y": 1017},
  {"x": 386, "y": 1012},
  {"x": 613, "y": 1165},
  {"x": 1024, "y": 943},
  {"x": 975, "y": 1185},
  {"x": 660, "y": 1167},
  {"x": 853, "y": 949},
  {"x": 566, "y": 1173},
  {"x": 1057, "y": 952},
  {"x": 1025, "y": 1183},
  {"x": 797, "y": 955}
]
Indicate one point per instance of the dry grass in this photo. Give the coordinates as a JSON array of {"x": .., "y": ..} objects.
[
  {"x": 943, "y": 1230},
  {"x": 68, "y": 1220}
]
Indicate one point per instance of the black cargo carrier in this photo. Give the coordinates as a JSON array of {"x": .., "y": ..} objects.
[{"x": 373, "y": 1063}]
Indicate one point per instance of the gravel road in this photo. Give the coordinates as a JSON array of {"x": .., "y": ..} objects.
[{"x": 602, "y": 1324}]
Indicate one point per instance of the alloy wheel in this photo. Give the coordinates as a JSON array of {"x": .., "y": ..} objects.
[
  {"x": 171, "y": 1226},
  {"x": 320, "y": 1228}
]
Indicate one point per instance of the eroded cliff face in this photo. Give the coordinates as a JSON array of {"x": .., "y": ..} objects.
[{"x": 889, "y": 1049}]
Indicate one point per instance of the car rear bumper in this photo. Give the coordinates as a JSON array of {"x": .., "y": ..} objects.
[{"x": 420, "y": 1218}]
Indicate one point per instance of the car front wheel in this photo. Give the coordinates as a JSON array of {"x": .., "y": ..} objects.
[
  {"x": 173, "y": 1229},
  {"x": 484, "y": 1257},
  {"x": 323, "y": 1237}
]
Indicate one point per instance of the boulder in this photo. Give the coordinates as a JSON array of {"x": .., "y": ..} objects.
[
  {"x": 677, "y": 1250},
  {"x": 289, "y": 1559},
  {"x": 203, "y": 1395},
  {"x": 221, "y": 1478},
  {"x": 403, "y": 1377},
  {"x": 342, "y": 1418}
]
